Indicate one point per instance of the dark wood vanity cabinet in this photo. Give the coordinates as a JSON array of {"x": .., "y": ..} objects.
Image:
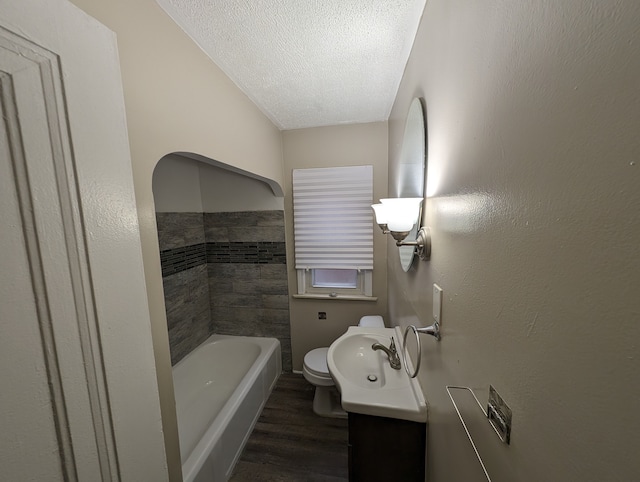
[{"x": 386, "y": 449}]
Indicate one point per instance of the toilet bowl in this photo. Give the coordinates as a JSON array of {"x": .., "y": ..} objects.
[{"x": 326, "y": 401}]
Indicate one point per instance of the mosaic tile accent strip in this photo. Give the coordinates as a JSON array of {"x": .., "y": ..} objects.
[
  {"x": 181, "y": 259},
  {"x": 246, "y": 252}
]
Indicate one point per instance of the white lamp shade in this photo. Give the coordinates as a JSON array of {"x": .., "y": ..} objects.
[
  {"x": 402, "y": 213},
  {"x": 401, "y": 225},
  {"x": 381, "y": 213}
]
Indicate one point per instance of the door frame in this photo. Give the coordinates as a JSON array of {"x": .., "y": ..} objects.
[{"x": 80, "y": 225}]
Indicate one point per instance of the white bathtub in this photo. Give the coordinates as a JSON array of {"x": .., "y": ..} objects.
[{"x": 220, "y": 389}]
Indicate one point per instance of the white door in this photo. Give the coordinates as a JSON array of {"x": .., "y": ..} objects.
[{"x": 78, "y": 393}]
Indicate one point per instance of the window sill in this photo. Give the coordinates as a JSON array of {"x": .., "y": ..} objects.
[{"x": 336, "y": 298}]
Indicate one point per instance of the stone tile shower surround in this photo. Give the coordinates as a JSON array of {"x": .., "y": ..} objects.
[
  {"x": 224, "y": 273},
  {"x": 185, "y": 280}
]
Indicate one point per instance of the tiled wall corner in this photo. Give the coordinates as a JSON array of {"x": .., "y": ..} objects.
[
  {"x": 235, "y": 263},
  {"x": 184, "y": 277},
  {"x": 177, "y": 230},
  {"x": 246, "y": 226},
  {"x": 188, "y": 310},
  {"x": 248, "y": 276},
  {"x": 251, "y": 300}
]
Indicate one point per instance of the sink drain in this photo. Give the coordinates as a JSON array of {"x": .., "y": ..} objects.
[{"x": 372, "y": 378}]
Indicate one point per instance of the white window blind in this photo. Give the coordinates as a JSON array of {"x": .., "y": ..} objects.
[{"x": 332, "y": 216}]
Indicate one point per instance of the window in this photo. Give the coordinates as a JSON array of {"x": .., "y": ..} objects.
[
  {"x": 333, "y": 230},
  {"x": 334, "y": 278}
]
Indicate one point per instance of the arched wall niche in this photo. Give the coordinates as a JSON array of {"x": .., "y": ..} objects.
[
  {"x": 184, "y": 181},
  {"x": 222, "y": 251},
  {"x": 275, "y": 187}
]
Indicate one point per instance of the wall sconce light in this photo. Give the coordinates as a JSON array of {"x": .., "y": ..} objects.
[{"x": 398, "y": 216}]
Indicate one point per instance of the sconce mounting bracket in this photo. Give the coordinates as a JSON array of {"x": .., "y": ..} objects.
[{"x": 422, "y": 243}]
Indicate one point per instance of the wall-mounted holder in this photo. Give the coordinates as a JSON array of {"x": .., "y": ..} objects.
[
  {"x": 433, "y": 330},
  {"x": 498, "y": 413}
]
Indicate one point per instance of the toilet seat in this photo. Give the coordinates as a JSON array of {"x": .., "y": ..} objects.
[
  {"x": 316, "y": 362},
  {"x": 315, "y": 369}
]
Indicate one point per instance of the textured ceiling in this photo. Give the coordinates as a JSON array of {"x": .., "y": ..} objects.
[{"x": 307, "y": 63}]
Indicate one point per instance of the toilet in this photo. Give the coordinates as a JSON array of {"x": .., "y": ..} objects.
[{"x": 326, "y": 401}]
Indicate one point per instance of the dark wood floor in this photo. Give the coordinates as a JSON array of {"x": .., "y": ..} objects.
[{"x": 291, "y": 443}]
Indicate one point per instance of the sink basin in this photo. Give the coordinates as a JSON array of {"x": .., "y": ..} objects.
[
  {"x": 365, "y": 379},
  {"x": 359, "y": 365}
]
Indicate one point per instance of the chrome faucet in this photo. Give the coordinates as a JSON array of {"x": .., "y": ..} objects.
[{"x": 392, "y": 353}]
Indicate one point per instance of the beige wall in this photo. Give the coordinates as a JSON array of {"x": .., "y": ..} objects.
[
  {"x": 534, "y": 208},
  {"x": 348, "y": 145},
  {"x": 177, "y": 100}
]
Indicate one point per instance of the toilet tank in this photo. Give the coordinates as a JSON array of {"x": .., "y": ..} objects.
[{"x": 375, "y": 321}]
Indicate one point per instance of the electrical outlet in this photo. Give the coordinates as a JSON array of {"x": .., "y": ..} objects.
[
  {"x": 437, "y": 303},
  {"x": 322, "y": 315}
]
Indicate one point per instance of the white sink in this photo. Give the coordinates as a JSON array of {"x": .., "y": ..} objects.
[{"x": 367, "y": 383}]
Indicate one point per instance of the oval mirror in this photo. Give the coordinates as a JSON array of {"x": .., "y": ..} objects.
[{"x": 412, "y": 170}]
